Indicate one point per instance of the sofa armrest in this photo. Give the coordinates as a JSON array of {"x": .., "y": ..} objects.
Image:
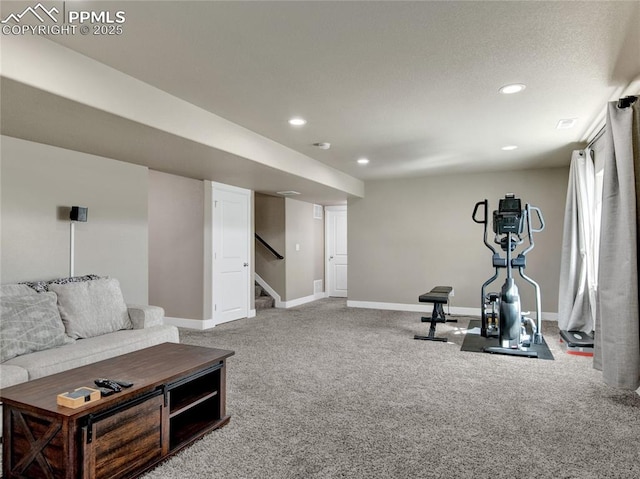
[{"x": 145, "y": 316}]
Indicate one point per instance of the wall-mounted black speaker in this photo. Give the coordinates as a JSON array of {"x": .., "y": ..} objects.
[{"x": 79, "y": 213}]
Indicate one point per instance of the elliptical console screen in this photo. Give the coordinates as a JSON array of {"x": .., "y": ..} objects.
[
  {"x": 509, "y": 204},
  {"x": 508, "y": 218}
]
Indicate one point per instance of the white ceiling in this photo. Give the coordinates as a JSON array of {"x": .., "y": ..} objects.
[{"x": 413, "y": 86}]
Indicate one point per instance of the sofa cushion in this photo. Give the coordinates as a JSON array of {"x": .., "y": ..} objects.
[
  {"x": 29, "y": 323},
  {"x": 89, "y": 351},
  {"x": 91, "y": 308}
]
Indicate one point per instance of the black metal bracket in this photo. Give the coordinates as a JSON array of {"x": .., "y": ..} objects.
[
  {"x": 627, "y": 101},
  {"x": 199, "y": 374}
]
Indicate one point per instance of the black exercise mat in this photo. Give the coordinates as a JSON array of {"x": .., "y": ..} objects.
[{"x": 476, "y": 343}]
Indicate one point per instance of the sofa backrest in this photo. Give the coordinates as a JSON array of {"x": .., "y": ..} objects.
[{"x": 15, "y": 290}]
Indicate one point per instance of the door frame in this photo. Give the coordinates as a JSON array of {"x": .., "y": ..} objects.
[
  {"x": 209, "y": 269},
  {"x": 329, "y": 278}
]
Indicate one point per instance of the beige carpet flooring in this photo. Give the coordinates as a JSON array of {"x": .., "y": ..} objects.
[{"x": 326, "y": 391}]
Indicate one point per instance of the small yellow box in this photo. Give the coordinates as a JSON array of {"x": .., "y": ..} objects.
[{"x": 78, "y": 397}]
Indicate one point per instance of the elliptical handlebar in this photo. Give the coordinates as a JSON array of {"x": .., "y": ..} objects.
[
  {"x": 530, "y": 228},
  {"x": 484, "y": 221},
  {"x": 540, "y": 218},
  {"x": 515, "y": 238},
  {"x": 485, "y": 203}
]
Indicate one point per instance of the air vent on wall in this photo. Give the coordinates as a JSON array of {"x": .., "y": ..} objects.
[{"x": 317, "y": 212}]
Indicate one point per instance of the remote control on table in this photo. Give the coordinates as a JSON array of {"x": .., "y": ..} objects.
[
  {"x": 108, "y": 383},
  {"x": 123, "y": 383},
  {"x": 105, "y": 392}
]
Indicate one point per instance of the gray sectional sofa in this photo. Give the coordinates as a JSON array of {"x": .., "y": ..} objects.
[{"x": 53, "y": 326}]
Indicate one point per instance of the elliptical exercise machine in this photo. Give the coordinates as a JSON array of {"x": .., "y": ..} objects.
[{"x": 502, "y": 316}]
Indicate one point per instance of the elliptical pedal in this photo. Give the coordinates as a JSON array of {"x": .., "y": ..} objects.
[{"x": 578, "y": 343}]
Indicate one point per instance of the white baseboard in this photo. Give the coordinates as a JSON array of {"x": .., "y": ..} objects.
[
  {"x": 417, "y": 308},
  {"x": 427, "y": 308},
  {"x": 200, "y": 324},
  {"x": 463, "y": 311},
  {"x": 300, "y": 301},
  {"x": 291, "y": 303}
]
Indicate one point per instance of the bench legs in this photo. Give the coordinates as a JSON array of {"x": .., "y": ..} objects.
[{"x": 437, "y": 316}]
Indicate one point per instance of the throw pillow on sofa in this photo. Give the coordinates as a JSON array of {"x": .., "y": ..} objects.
[
  {"x": 30, "y": 323},
  {"x": 92, "y": 308},
  {"x": 43, "y": 286}
]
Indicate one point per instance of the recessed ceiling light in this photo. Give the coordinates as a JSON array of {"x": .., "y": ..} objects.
[
  {"x": 512, "y": 88},
  {"x": 509, "y": 148},
  {"x": 297, "y": 121},
  {"x": 566, "y": 123},
  {"x": 363, "y": 161},
  {"x": 288, "y": 193}
]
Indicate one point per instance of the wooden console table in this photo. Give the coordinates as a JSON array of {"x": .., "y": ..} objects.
[{"x": 179, "y": 394}]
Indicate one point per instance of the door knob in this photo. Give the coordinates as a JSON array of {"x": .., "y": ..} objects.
[{"x": 245, "y": 264}]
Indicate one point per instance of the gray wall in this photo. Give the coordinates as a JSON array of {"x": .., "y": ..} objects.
[
  {"x": 38, "y": 185},
  {"x": 304, "y": 265},
  {"x": 270, "y": 225},
  {"x": 176, "y": 244},
  {"x": 408, "y": 235}
]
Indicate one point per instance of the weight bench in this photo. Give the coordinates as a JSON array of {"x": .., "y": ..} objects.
[{"x": 438, "y": 296}]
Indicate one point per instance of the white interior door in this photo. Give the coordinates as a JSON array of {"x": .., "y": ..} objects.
[
  {"x": 231, "y": 230},
  {"x": 336, "y": 250}
]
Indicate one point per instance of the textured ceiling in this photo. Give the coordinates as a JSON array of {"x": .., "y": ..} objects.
[{"x": 413, "y": 86}]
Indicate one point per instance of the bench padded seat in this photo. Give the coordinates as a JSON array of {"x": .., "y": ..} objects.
[{"x": 439, "y": 295}]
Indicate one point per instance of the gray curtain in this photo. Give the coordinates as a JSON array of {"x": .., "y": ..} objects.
[
  {"x": 578, "y": 273},
  {"x": 617, "y": 345}
]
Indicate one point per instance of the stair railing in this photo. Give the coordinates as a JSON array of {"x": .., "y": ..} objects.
[{"x": 268, "y": 246}]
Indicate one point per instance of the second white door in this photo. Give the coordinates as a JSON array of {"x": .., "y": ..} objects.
[
  {"x": 336, "y": 250},
  {"x": 230, "y": 237}
]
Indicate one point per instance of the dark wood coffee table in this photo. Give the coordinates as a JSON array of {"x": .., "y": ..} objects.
[{"x": 179, "y": 394}]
